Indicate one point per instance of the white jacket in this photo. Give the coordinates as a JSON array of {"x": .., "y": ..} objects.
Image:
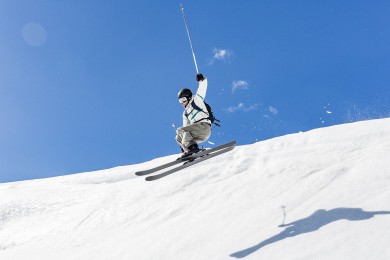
[{"x": 193, "y": 115}]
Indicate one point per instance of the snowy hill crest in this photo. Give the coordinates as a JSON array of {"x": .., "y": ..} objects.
[{"x": 323, "y": 194}]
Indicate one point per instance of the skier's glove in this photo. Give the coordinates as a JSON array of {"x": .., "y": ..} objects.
[{"x": 199, "y": 77}]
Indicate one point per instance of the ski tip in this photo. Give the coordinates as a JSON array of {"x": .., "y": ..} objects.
[{"x": 234, "y": 142}]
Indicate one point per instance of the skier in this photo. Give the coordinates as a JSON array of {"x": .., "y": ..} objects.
[
  {"x": 197, "y": 120},
  {"x": 196, "y": 123}
]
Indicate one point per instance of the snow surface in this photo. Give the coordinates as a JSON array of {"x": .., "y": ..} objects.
[{"x": 323, "y": 194}]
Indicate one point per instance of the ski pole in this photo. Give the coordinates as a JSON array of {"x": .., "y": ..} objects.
[{"x": 189, "y": 38}]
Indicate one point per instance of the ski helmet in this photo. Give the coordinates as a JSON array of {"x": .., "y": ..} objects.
[{"x": 185, "y": 92}]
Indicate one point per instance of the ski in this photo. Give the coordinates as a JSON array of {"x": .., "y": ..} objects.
[
  {"x": 190, "y": 163},
  {"x": 178, "y": 161},
  {"x": 158, "y": 168}
]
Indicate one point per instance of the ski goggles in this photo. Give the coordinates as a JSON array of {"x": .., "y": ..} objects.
[{"x": 182, "y": 100}]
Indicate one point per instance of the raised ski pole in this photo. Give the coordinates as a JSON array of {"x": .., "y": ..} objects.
[{"x": 189, "y": 38}]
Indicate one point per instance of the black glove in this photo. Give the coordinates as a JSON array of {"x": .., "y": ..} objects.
[{"x": 199, "y": 77}]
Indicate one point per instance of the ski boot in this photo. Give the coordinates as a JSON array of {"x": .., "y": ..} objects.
[{"x": 192, "y": 149}]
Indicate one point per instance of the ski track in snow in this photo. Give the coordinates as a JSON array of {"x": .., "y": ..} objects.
[{"x": 322, "y": 194}]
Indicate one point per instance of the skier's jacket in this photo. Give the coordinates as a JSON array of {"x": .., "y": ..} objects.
[{"x": 196, "y": 110}]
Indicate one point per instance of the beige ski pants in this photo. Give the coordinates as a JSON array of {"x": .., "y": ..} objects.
[{"x": 192, "y": 134}]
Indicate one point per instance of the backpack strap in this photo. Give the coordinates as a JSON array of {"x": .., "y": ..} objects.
[
  {"x": 213, "y": 120},
  {"x": 200, "y": 110},
  {"x": 196, "y": 107}
]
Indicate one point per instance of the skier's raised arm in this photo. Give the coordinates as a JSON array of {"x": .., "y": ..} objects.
[{"x": 202, "y": 89}]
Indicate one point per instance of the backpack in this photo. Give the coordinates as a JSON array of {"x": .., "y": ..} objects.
[{"x": 211, "y": 117}]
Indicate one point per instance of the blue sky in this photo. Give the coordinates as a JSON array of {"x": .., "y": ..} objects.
[{"x": 89, "y": 85}]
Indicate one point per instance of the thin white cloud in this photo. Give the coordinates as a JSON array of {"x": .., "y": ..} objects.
[
  {"x": 221, "y": 55},
  {"x": 273, "y": 110},
  {"x": 241, "y": 107},
  {"x": 233, "y": 109},
  {"x": 239, "y": 84},
  {"x": 251, "y": 107}
]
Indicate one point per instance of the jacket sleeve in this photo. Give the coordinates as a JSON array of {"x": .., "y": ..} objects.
[
  {"x": 202, "y": 89},
  {"x": 186, "y": 122}
]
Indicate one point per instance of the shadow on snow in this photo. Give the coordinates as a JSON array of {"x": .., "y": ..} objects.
[{"x": 312, "y": 223}]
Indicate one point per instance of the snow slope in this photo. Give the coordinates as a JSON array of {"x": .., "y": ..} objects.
[{"x": 323, "y": 194}]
